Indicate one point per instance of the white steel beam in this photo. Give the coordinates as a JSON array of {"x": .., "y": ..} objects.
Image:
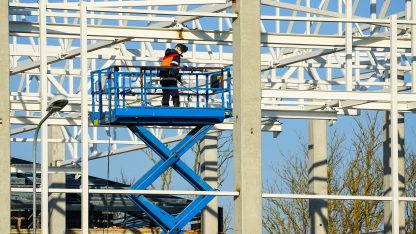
[
  {"x": 201, "y": 36},
  {"x": 348, "y": 47},
  {"x": 183, "y": 19},
  {"x": 44, "y": 134},
  {"x": 305, "y": 9},
  {"x": 327, "y": 95},
  {"x": 27, "y": 169},
  {"x": 84, "y": 120},
  {"x": 165, "y": 12},
  {"x": 219, "y": 193},
  {"x": 154, "y": 3},
  {"x": 29, "y": 65},
  {"x": 394, "y": 127}
]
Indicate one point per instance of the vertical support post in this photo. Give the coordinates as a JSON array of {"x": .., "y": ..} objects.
[
  {"x": 348, "y": 46},
  {"x": 394, "y": 125},
  {"x": 209, "y": 172},
  {"x": 4, "y": 118},
  {"x": 308, "y": 23},
  {"x": 413, "y": 27},
  {"x": 393, "y": 148},
  {"x": 318, "y": 175},
  {"x": 220, "y": 47},
  {"x": 340, "y": 31},
  {"x": 247, "y": 132},
  {"x": 277, "y": 10},
  {"x": 57, "y": 201},
  {"x": 44, "y": 103},
  {"x": 387, "y": 164},
  {"x": 408, "y": 9},
  {"x": 373, "y": 13},
  {"x": 84, "y": 120}
]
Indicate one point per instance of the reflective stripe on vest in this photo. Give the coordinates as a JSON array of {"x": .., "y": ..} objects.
[{"x": 167, "y": 60}]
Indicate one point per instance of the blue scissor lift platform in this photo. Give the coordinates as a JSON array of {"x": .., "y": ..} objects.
[{"x": 131, "y": 96}]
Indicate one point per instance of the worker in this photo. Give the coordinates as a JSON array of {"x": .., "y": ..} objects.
[{"x": 171, "y": 76}]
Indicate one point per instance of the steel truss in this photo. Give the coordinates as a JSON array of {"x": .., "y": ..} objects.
[{"x": 308, "y": 72}]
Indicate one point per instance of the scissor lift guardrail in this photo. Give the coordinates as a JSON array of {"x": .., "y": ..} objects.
[{"x": 130, "y": 96}]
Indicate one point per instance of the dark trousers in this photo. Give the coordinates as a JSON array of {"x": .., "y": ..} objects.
[{"x": 172, "y": 91}]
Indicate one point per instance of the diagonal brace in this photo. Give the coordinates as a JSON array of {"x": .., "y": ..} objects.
[{"x": 171, "y": 158}]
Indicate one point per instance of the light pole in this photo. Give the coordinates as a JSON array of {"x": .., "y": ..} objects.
[{"x": 55, "y": 104}]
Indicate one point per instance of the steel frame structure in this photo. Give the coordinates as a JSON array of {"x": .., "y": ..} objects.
[{"x": 307, "y": 72}]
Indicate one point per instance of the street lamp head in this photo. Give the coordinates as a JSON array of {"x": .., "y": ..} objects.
[{"x": 57, "y": 103}]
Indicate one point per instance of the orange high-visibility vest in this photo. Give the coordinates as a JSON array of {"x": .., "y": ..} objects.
[{"x": 167, "y": 60}]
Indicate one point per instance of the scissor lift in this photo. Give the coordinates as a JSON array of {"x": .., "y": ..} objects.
[{"x": 131, "y": 96}]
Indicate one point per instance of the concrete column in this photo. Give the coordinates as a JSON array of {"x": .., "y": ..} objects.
[
  {"x": 413, "y": 44},
  {"x": 4, "y": 119},
  {"x": 57, "y": 201},
  {"x": 387, "y": 172},
  {"x": 247, "y": 117},
  {"x": 209, "y": 172},
  {"x": 318, "y": 175}
]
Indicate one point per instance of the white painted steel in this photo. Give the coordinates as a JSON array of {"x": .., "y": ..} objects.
[
  {"x": 329, "y": 197},
  {"x": 23, "y": 168},
  {"x": 84, "y": 120},
  {"x": 348, "y": 46},
  {"x": 394, "y": 126},
  {"x": 44, "y": 134},
  {"x": 215, "y": 193},
  {"x": 163, "y": 12},
  {"x": 132, "y": 3}
]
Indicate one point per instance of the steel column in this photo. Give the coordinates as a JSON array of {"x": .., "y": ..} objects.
[
  {"x": 348, "y": 46},
  {"x": 394, "y": 125},
  {"x": 44, "y": 102},
  {"x": 84, "y": 120}
]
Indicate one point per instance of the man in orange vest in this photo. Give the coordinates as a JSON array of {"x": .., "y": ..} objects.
[{"x": 171, "y": 76}]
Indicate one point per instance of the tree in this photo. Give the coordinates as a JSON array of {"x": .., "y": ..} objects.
[
  {"x": 285, "y": 215},
  {"x": 410, "y": 191},
  {"x": 225, "y": 153},
  {"x": 364, "y": 176},
  {"x": 355, "y": 171},
  {"x": 166, "y": 177}
]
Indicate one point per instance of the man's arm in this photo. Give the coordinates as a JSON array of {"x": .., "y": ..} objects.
[{"x": 176, "y": 61}]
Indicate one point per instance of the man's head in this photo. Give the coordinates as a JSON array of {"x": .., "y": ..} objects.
[{"x": 181, "y": 48}]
